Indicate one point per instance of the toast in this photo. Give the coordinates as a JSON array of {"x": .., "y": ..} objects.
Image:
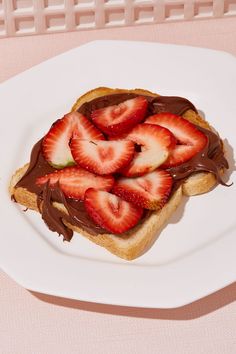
[{"x": 134, "y": 242}]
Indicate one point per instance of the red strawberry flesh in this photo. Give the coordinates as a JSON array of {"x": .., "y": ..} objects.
[
  {"x": 84, "y": 129},
  {"x": 121, "y": 118},
  {"x": 102, "y": 157},
  {"x": 111, "y": 212},
  {"x": 150, "y": 191},
  {"x": 190, "y": 139},
  {"x": 155, "y": 144},
  {"x": 55, "y": 146},
  {"x": 74, "y": 181}
]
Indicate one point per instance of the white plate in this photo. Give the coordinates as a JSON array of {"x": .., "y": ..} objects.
[{"x": 195, "y": 254}]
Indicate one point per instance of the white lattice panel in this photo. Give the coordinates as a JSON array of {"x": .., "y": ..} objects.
[{"x": 22, "y": 17}]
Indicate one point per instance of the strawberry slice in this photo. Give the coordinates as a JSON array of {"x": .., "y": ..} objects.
[
  {"x": 121, "y": 118},
  {"x": 155, "y": 144},
  {"x": 150, "y": 191},
  {"x": 102, "y": 157},
  {"x": 55, "y": 144},
  {"x": 74, "y": 181},
  {"x": 190, "y": 139},
  {"x": 111, "y": 212}
]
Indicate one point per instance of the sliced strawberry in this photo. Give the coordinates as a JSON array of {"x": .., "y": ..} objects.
[
  {"x": 55, "y": 144},
  {"x": 84, "y": 129},
  {"x": 150, "y": 191},
  {"x": 102, "y": 157},
  {"x": 155, "y": 144},
  {"x": 121, "y": 118},
  {"x": 111, "y": 212},
  {"x": 190, "y": 139},
  {"x": 74, "y": 181}
]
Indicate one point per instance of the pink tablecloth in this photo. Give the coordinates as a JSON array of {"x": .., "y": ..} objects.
[{"x": 34, "y": 323}]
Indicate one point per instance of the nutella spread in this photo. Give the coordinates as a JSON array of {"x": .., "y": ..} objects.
[
  {"x": 210, "y": 159},
  {"x": 156, "y": 104},
  {"x": 52, "y": 216}
]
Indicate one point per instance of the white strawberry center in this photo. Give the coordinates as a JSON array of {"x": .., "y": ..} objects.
[{"x": 62, "y": 154}]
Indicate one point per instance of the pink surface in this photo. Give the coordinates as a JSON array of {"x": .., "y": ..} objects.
[
  {"x": 27, "y": 17},
  {"x": 36, "y": 323}
]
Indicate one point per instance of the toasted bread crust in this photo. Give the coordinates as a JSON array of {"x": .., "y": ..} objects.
[
  {"x": 129, "y": 246},
  {"x": 136, "y": 241}
]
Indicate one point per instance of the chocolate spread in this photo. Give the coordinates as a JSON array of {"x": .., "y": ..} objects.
[
  {"x": 156, "y": 104},
  {"x": 210, "y": 159},
  {"x": 52, "y": 216}
]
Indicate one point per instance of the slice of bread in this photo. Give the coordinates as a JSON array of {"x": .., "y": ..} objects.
[{"x": 136, "y": 241}]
